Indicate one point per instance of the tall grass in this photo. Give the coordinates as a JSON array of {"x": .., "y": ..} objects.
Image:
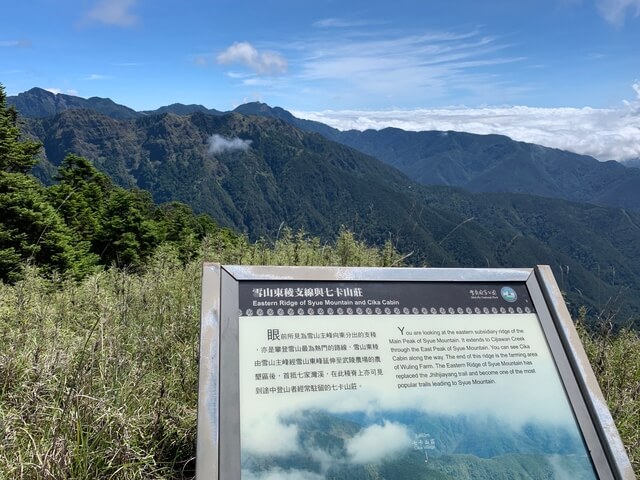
[
  {"x": 98, "y": 378},
  {"x": 615, "y": 359}
]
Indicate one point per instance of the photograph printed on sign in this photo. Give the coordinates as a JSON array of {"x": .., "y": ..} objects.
[{"x": 452, "y": 396}]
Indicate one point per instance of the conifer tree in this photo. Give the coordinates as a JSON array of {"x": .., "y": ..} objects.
[
  {"x": 81, "y": 195},
  {"x": 31, "y": 230},
  {"x": 16, "y": 154}
]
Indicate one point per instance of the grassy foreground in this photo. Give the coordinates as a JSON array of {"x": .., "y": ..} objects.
[
  {"x": 98, "y": 379},
  {"x": 615, "y": 359}
]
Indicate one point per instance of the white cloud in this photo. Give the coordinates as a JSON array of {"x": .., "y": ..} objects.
[
  {"x": 95, "y": 76},
  {"x": 266, "y": 435},
  {"x": 262, "y": 62},
  {"x": 240, "y": 75},
  {"x": 560, "y": 471},
  {"x": 220, "y": 144},
  {"x": 279, "y": 474},
  {"x": 368, "y": 445},
  {"x": 603, "y": 133},
  {"x": 324, "y": 459},
  {"x": 15, "y": 43},
  {"x": 260, "y": 82},
  {"x": 636, "y": 88},
  {"x": 342, "y": 23},
  {"x": 616, "y": 11},
  {"x": 113, "y": 12},
  {"x": 595, "y": 56},
  {"x": 429, "y": 65}
]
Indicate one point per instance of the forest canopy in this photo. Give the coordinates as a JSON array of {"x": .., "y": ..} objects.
[{"x": 82, "y": 222}]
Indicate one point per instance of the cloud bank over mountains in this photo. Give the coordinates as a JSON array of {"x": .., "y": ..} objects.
[{"x": 606, "y": 134}]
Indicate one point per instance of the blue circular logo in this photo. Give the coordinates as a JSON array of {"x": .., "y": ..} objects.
[{"x": 509, "y": 294}]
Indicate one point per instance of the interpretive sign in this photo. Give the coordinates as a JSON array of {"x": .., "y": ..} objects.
[{"x": 368, "y": 373}]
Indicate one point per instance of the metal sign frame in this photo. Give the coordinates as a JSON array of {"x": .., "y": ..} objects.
[{"x": 218, "y": 434}]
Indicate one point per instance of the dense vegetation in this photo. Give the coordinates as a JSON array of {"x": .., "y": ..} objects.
[{"x": 83, "y": 221}]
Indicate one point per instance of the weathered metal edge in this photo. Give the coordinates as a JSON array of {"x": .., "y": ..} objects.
[
  {"x": 207, "y": 449},
  {"x": 246, "y": 272},
  {"x": 584, "y": 374}
]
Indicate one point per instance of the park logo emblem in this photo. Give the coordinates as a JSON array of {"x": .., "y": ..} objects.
[{"x": 508, "y": 294}]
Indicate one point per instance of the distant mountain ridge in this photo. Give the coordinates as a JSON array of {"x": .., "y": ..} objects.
[
  {"x": 274, "y": 174},
  {"x": 632, "y": 163},
  {"x": 40, "y": 103},
  {"x": 477, "y": 163},
  {"x": 264, "y": 110},
  {"x": 484, "y": 163},
  {"x": 182, "y": 109}
]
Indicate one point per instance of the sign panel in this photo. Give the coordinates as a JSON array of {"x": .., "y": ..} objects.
[{"x": 423, "y": 376}]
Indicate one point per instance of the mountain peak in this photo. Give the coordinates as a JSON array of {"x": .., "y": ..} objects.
[
  {"x": 182, "y": 109},
  {"x": 264, "y": 110},
  {"x": 40, "y": 103},
  {"x": 39, "y": 91},
  {"x": 254, "y": 108}
]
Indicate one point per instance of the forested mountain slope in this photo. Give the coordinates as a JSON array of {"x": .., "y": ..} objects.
[
  {"x": 256, "y": 174},
  {"x": 484, "y": 163},
  {"x": 478, "y": 163}
]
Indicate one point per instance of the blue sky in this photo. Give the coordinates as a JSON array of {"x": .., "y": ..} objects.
[{"x": 322, "y": 56}]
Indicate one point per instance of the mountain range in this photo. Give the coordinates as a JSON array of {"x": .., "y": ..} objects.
[
  {"x": 483, "y": 163},
  {"x": 477, "y": 163},
  {"x": 40, "y": 103},
  {"x": 444, "y": 198}
]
